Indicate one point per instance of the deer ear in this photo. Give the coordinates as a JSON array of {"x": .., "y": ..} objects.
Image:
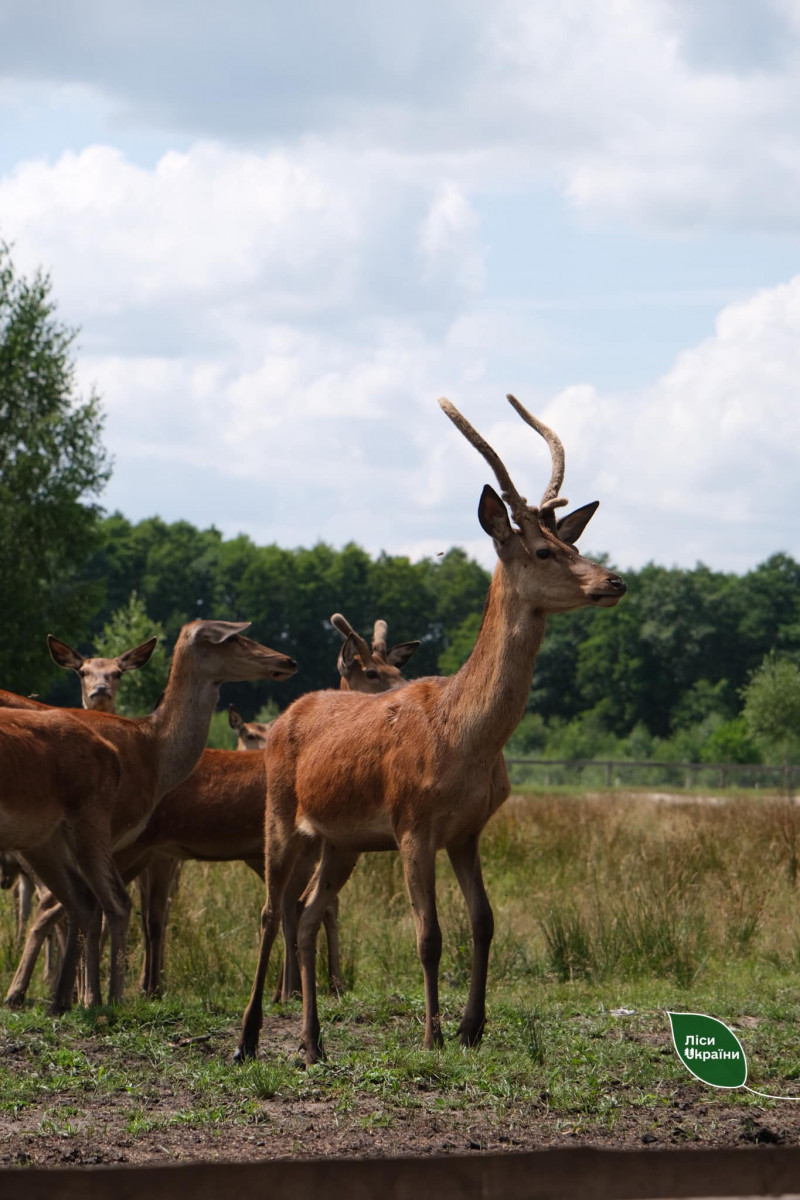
[
  {"x": 399, "y": 655},
  {"x": 570, "y": 528},
  {"x": 217, "y": 631},
  {"x": 347, "y": 655},
  {"x": 132, "y": 659},
  {"x": 234, "y": 718},
  {"x": 493, "y": 516},
  {"x": 63, "y": 655}
]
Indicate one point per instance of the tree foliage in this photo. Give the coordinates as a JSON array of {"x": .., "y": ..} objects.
[
  {"x": 772, "y": 703},
  {"x": 52, "y": 464}
]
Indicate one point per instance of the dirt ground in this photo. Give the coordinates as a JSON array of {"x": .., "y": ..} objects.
[{"x": 286, "y": 1127}]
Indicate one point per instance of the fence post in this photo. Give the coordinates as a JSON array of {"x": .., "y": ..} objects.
[{"x": 608, "y": 775}]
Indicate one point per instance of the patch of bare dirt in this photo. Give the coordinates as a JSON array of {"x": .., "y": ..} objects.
[{"x": 284, "y": 1126}]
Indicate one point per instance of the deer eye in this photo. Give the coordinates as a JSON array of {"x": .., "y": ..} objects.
[
  {"x": 544, "y": 553},
  {"x": 372, "y": 673}
]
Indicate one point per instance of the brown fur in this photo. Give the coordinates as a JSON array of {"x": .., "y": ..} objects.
[
  {"x": 60, "y": 782},
  {"x": 157, "y": 753},
  {"x": 418, "y": 769},
  {"x": 218, "y": 815}
]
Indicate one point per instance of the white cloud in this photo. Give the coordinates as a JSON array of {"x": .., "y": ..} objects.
[
  {"x": 271, "y": 311},
  {"x": 657, "y": 111}
]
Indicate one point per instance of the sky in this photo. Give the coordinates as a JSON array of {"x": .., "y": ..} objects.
[{"x": 284, "y": 230}]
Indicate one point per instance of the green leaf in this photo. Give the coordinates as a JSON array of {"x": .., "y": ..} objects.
[{"x": 708, "y": 1049}]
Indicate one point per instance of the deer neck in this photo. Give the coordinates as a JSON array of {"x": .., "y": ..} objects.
[
  {"x": 180, "y": 724},
  {"x": 489, "y": 694}
]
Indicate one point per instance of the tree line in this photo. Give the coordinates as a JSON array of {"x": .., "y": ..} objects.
[{"x": 662, "y": 673}]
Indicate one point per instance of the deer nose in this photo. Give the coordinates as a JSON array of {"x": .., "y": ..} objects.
[
  {"x": 618, "y": 585},
  {"x": 102, "y": 689}
]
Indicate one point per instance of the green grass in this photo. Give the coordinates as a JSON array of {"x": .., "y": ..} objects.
[{"x": 600, "y": 905}]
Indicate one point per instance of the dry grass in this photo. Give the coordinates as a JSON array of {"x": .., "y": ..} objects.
[{"x": 584, "y": 887}]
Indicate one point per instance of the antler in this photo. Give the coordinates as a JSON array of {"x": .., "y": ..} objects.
[
  {"x": 509, "y": 492},
  {"x": 379, "y": 636},
  {"x": 556, "y": 453},
  {"x": 346, "y": 630},
  {"x": 518, "y": 504}
]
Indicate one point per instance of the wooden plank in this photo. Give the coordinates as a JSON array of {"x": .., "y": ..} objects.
[{"x": 575, "y": 1174}]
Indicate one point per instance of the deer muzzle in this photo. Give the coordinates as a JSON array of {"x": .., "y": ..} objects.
[{"x": 607, "y": 596}]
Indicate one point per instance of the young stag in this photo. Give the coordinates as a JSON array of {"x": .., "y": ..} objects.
[
  {"x": 417, "y": 769},
  {"x": 370, "y": 670},
  {"x": 155, "y": 754}
]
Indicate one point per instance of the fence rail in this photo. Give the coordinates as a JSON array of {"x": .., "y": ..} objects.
[{"x": 621, "y": 772}]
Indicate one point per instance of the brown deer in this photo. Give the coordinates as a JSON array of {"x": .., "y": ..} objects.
[
  {"x": 155, "y": 754},
  {"x": 217, "y": 815},
  {"x": 60, "y": 781},
  {"x": 416, "y": 769},
  {"x": 99, "y": 679},
  {"x": 365, "y": 669},
  {"x": 250, "y": 735}
]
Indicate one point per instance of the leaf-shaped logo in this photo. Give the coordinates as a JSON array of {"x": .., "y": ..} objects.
[{"x": 709, "y": 1049}]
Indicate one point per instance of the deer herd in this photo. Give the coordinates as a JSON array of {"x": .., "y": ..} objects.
[{"x": 91, "y": 801}]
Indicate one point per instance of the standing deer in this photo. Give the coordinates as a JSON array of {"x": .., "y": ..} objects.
[
  {"x": 154, "y": 754},
  {"x": 99, "y": 679},
  {"x": 59, "y": 782},
  {"x": 217, "y": 815},
  {"x": 415, "y": 769}
]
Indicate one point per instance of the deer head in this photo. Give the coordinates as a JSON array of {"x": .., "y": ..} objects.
[
  {"x": 252, "y": 735},
  {"x": 370, "y": 670},
  {"x": 100, "y": 677},
  {"x": 222, "y": 655},
  {"x": 538, "y": 551}
]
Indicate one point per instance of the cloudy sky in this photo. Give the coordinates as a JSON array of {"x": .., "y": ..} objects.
[{"x": 284, "y": 230}]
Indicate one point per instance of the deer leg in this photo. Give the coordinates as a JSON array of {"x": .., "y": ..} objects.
[
  {"x": 419, "y": 868},
  {"x": 53, "y": 949},
  {"x": 291, "y": 910},
  {"x": 23, "y": 902},
  {"x": 282, "y": 850},
  {"x": 90, "y": 992},
  {"x": 334, "y": 870},
  {"x": 466, "y": 862},
  {"x": 155, "y": 889},
  {"x": 48, "y": 913},
  {"x": 143, "y": 888},
  {"x": 52, "y": 867},
  {"x": 330, "y": 920},
  {"x": 103, "y": 877}
]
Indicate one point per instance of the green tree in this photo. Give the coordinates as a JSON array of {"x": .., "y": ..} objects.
[
  {"x": 51, "y": 464},
  {"x": 128, "y": 627},
  {"x": 772, "y": 704}
]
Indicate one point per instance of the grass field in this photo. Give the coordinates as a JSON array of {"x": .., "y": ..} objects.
[{"x": 610, "y": 909}]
